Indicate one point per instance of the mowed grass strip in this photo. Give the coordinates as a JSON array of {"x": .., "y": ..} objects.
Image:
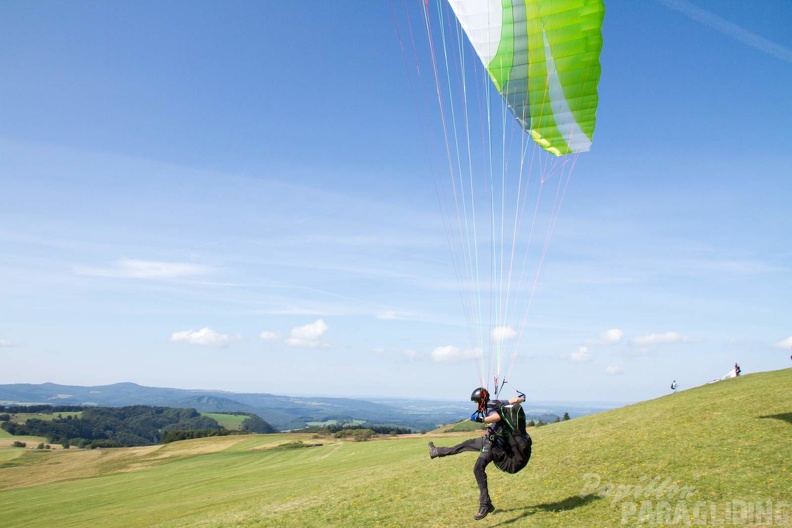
[{"x": 722, "y": 444}]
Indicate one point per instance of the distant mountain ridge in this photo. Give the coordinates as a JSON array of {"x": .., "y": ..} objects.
[{"x": 282, "y": 412}]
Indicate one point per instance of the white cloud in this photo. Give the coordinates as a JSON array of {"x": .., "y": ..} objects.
[
  {"x": 613, "y": 336},
  {"x": 389, "y": 315},
  {"x": 449, "y": 354},
  {"x": 269, "y": 336},
  {"x": 503, "y": 333},
  {"x": 145, "y": 269},
  {"x": 580, "y": 356},
  {"x": 662, "y": 339},
  {"x": 786, "y": 343},
  {"x": 203, "y": 337},
  {"x": 309, "y": 335},
  {"x": 614, "y": 371},
  {"x": 6, "y": 343}
]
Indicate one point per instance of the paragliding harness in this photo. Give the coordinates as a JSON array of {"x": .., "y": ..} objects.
[{"x": 511, "y": 449}]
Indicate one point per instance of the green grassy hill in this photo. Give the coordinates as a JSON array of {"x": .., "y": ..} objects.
[{"x": 720, "y": 454}]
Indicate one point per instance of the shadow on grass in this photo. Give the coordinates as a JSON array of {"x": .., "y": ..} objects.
[
  {"x": 787, "y": 417},
  {"x": 570, "y": 503}
]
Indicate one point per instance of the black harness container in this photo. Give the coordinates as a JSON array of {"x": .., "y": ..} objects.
[{"x": 512, "y": 449}]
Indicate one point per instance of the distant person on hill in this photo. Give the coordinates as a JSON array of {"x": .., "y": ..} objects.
[
  {"x": 737, "y": 369},
  {"x": 673, "y": 386},
  {"x": 487, "y": 413}
]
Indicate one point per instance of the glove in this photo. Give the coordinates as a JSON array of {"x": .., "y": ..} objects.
[{"x": 476, "y": 417}]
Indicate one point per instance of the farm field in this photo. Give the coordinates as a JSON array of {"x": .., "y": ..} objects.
[{"x": 231, "y": 422}]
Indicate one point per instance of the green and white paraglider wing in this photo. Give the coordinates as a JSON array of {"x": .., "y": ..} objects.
[
  {"x": 543, "y": 57},
  {"x": 500, "y": 183}
]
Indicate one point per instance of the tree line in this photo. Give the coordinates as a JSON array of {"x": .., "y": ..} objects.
[
  {"x": 357, "y": 432},
  {"x": 135, "y": 425}
]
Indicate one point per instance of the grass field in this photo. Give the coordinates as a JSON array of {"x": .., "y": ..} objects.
[
  {"x": 712, "y": 456},
  {"x": 24, "y": 417},
  {"x": 232, "y": 422}
]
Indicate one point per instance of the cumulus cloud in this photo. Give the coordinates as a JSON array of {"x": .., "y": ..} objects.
[
  {"x": 503, "y": 333},
  {"x": 450, "y": 354},
  {"x": 662, "y": 339},
  {"x": 126, "y": 268},
  {"x": 613, "y": 336},
  {"x": 203, "y": 337},
  {"x": 310, "y": 335},
  {"x": 786, "y": 343},
  {"x": 581, "y": 355},
  {"x": 266, "y": 335},
  {"x": 614, "y": 371}
]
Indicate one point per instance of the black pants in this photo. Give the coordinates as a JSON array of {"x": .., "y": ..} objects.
[{"x": 483, "y": 446}]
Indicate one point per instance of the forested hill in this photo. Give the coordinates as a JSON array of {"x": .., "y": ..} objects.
[
  {"x": 116, "y": 426},
  {"x": 283, "y": 412}
]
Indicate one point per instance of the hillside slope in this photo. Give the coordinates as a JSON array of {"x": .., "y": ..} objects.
[{"x": 714, "y": 455}]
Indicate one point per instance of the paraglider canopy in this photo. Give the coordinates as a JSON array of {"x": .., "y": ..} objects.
[
  {"x": 543, "y": 57},
  {"x": 494, "y": 61}
]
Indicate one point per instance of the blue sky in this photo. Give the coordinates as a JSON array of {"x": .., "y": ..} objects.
[{"x": 236, "y": 196}]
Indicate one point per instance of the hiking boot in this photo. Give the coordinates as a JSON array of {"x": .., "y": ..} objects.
[
  {"x": 483, "y": 511},
  {"x": 433, "y": 451}
]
